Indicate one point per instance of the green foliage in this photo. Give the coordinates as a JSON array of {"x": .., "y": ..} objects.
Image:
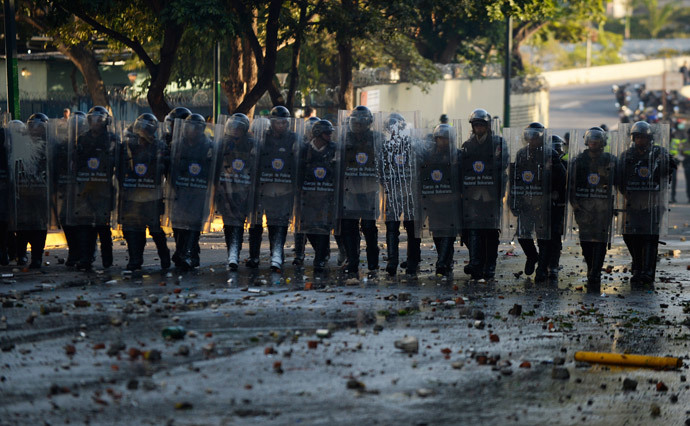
[
  {"x": 657, "y": 17},
  {"x": 605, "y": 53}
]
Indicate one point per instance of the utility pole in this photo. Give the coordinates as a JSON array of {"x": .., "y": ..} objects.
[
  {"x": 216, "y": 82},
  {"x": 506, "y": 72},
  {"x": 11, "y": 61}
]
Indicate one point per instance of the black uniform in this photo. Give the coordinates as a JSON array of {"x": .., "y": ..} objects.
[
  {"x": 537, "y": 183},
  {"x": 592, "y": 180},
  {"x": 92, "y": 202},
  {"x": 360, "y": 207},
  {"x": 275, "y": 195},
  {"x": 4, "y": 200},
  {"x": 234, "y": 190},
  {"x": 317, "y": 180},
  {"x": 143, "y": 163},
  {"x": 483, "y": 164},
  {"x": 190, "y": 176},
  {"x": 641, "y": 175},
  {"x": 439, "y": 179}
]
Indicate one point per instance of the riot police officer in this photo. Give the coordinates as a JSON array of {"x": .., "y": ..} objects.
[
  {"x": 484, "y": 161},
  {"x": 4, "y": 200},
  {"x": 397, "y": 171},
  {"x": 275, "y": 193},
  {"x": 62, "y": 179},
  {"x": 92, "y": 198},
  {"x": 536, "y": 173},
  {"x": 317, "y": 191},
  {"x": 360, "y": 197},
  {"x": 558, "y": 204},
  {"x": 592, "y": 197},
  {"x": 236, "y": 182},
  {"x": 29, "y": 174},
  {"x": 191, "y": 181},
  {"x": 439, "y": 194},
  {"x": 169, "y": 122},
  {"x": 300, "y": 239},
  {"x": 644, "y": 171},
  {"x": 143, "y": 163}
]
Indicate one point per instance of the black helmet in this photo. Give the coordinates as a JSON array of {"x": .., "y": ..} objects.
[
  {"x": 395, "y": 119},
  {"x": 557, "y": 140},
  {"x": 146, "y": 125},
  {"x": 533, "y": 131},
  {"x": 595, "y": 134},
  {"x": 641, "y": 128},
  {"x": 98, "y": 115},
  {"x": 443, "y": 119},
  {"x": 37, "y": 121},
  {"x": 237, "y": 120},
  {"x": 175, "y": 113},
  {"x": 280, "y": 112},
  {"x": 194, "y": 125},
  {"x": 16, "y": 126},
  {"x": 39, "y": 116},
  {"x": 361, "y": 118},
  {"x": 322, "y": 127},
  {"x": 480, "y": 115},
  {"x": 442, "y": 131},
  {"x": 308, "y": 125}
]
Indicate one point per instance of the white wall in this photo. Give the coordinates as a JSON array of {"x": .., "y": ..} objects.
[
  {"x": 619, "y": 72},
  {"x": 456, "y": 98}
]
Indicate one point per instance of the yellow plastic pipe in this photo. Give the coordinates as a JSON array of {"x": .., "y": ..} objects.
[{"x": 629, "y": 360}]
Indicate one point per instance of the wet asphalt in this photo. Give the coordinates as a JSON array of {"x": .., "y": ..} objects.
[{"x": 291, "y": 348}]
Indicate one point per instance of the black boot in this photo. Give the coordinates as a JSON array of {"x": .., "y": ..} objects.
[
  {"x": 530, "y": 250},
  {"x": 392, "y": 243},
  {"x": 254, "y": 246},
  {"x": 371, "y": 236},
  {"x": 350, "y": 239},
  {"x": 649, "y": 259},
  {"x": 321, "y": 245},
  {"x": 598, "y": 254},
  {"x": 161, "y": 242},
  {"x": 106, "y": 239},
  {"x": 474, "y": 246},
  {"x": 276, "y": 236},
  {"x": 86, "y": 237},
  {"x": 444, "y": 249},
  {"x": 414, "y": 254},
  {"x": 490, "y": 247},
  {"x": 555, "y": 258},
  {"x": 196, "y": 249},
  {"x": 636, "y": 253},
  {"x": 342, "y": 254},
  {"x": 135, "y": 248},
  {"x": 300, "y": 246},
  {"x": 38, "y": 243}
]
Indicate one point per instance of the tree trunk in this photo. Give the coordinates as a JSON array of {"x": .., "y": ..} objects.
[
  {"x": 346, "y": 92},
  {"x": 85, "y": 60},
  {"x": 234, "y": 84},
  {"x": 250, "y": 71},
  {"x": 161, "y": 73},
  {"x": 294, "y": 66},
  {"x": 267, "y": 72},
  {"x": 448, "y": 53}
]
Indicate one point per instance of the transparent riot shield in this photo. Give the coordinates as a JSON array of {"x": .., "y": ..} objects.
[
  {"x": 643, "y": 180},
  {"x": 529, "y": 177},
  {"x": 141, "y": 170},
  {"x": 360, "y": 186},
  {"x": 29, "y": 176},
  {"x": 483, "y": 172},
  {"x": 397, "y": 163},
  {"x": 236, "y": 178},
  {"x": 318, "y": 185},
  {"x": 279, "y": 143},
  {"x": 591, "y": 185},
  {"x": 4, "y": 179},
  {"x": 92, "y": 156},
  {"x": 192, "y": 169},
  {"x": 439, "y": 182}
]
